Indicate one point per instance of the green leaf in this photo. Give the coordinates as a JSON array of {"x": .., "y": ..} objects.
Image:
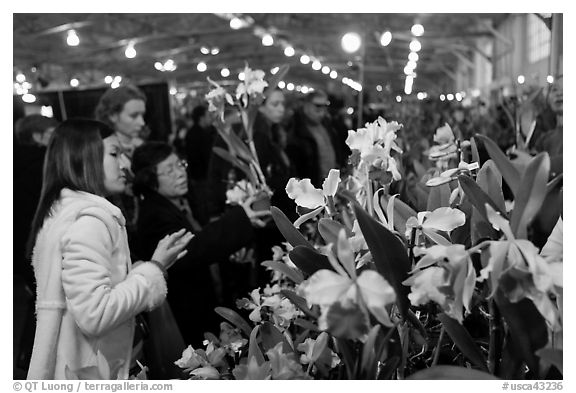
[
  {"x": 477, "y": 197},
  {"x": 402, "y": 212},
  {"x": 388, "y": 366},
  {"x": 253, "y": 348},
  {"x": 552, "y": 356},
  {"x": 389, "y": 255},
  {"x": 474, "y": 150},
  {"x": 463, "y": 340},
  {"x": 413, "y": 319},
  {"x": 286, "y": 270},
  {"x": 348, "y": 354},
  {"x": 329, "y": 229},
  {"x": 505, "y": 166},
  {"x": 299, "y": 302},
  {"x": 306, "y": 324},
  {"x": 368, "y": 365},
  {"x": 309, "y": 260},
  {"x": 291, "y": 234},
  {"x": 234, "y": 318},
  {"x": 225, "y": 155},
  {"x": 531, "y": 194},
  {"x": 271, "y": 336},
  {"x": 490, "y": 181},
  {"x": 439, "y": 196},
  {"x": 450, "y": 373},
  {"x": 319, "y": 346},
  {"x": 527, "y": 328}
]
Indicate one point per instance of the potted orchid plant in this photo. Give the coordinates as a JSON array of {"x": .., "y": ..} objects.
[
  {"x": 241, "y": 153},
  {"x": 458, "y": 289}
]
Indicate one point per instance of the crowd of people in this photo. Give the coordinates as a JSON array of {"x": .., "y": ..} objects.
[{"x": 115, "y": 233}]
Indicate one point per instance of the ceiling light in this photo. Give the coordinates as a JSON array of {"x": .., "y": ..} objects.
[
  {"x": 20, "y": 78},
  {"x": 74, "y": 82},
  {"x": 236, "y": 23},
  {"x": 550, "y": 79},
  {"x": 385, "y": 38},
  {"x": 411, "y": 64},
  {"x": 108, "y": 79},
  {"x": 408, "y": 70},
  {"x": 304, "y": 59},
  {"x": 417, "y": 29},
  {"x": 304, "y": 90},
  {"x": 408, "y": 89},
  {"x": 316, "y": 65},
  {"x": 267, "y": 40},
  {"x": 72, "y": 38},
  {"x": 290, "y": 86},
  {"x": 130, "y": 52},
  {"x": 413, "y": 56},
  {"x": 326, "y": 70},
  {"x": 215, "y": 51},
  {"x": 458, "y": 97},
  {"x": 281, "y": 84},
  {"x": 298, "y": 88},
  {"x": 289, "y": 51},
  {"x": 350, "y": 110},
  {"x": 157, "y": 65},
  {"x": 173, "y": 91},
  {"x": 204, "y": 50},
  {"x": 415, "y": 45},
  {"x": 333, "y": 74},
  {"x": 351, "y": 42},
  {"x": 398, "y": 99},
  {"x": 29, "y": 98},
  {"x": 442, "y": 97},
  {"x": 117, "y": 79},
  {"x": 450, "y": 96},
  {"x": 225, "y": 72},
  {"x": 201, "y": 66},
  {"x": 241, "y": 76},
  {"x": 420, "y": 95},
  {"x": 274, "y": 70},
  {"x": 521, "y": 79},
  {"x": 379, "y": 88}
]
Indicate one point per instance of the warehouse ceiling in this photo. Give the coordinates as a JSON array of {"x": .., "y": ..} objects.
[{"x": 42, "y": 54}]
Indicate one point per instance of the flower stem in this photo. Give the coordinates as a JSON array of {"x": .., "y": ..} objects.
[
  {"x": 369, "y": 194},
  {"x": 437, "y": 349},
  {"x": 494, "y": 350}
]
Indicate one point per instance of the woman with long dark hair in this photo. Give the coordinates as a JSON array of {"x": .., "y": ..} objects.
[{"x": 88, "y": 292}]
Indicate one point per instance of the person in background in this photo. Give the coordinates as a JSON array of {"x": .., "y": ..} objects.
[
  {"x": 123, "y": 110},
  {"x": 32, "y": 134},
  {"x": 315, "y": 147},
  {"x": 88, "y": 291},
  {"x": 552, "y": 140},
  {"x": 200, "y": 139},
  {"x": 161, "y": 183}
]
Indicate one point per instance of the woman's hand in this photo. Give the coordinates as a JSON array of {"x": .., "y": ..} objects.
[
  {"x": 255, "y": 216},
  {"x": 172, "y": 247}
]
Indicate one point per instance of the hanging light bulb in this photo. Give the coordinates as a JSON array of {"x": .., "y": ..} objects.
[
  {"x": 204, "y": 50},
  {"x": 20, "y": 77},
  {"x": 550, "y": 79},
  {"x": 413, "y": 56},
  {"x": 325, "y": 70},
  {"x": 29, "y": 98},
  {"x": 236, "y": 23},
  {"x": 281, "y": 84},
  {"x": 442, "y": 97},
  {"x": 521, "y": 79},
  {"x": 74, "y": 82},
  {"x": 289, "y": 51},
  {"x": 225, "y": 72},
  {"x": 108, "y": 79},
  {"x": 415, "y": 45},
  {"x": 274, "y": 70},
  {"x": 412, "y": 64},
  {"x": 267, "y": 40},
  {"x": 72, "y": 38},
  {"x": 158, "y": 66},
  {"x": 398, "y": 99},
  {"x": 214, "y": 51},
  {"x": 379, "y": 88},
  {"x": 450, "y": 96},
  {"x": 130, "y": 52},
  {"x": 173, "y": 91},
  {"x": 290, "y": 86},
  {"x": 333, "y": 74},
  {"x": 304, "y": 59},
  {"x": 241, "y": 76},
  {"x": 316, "y": 65},
  {"x": 201, "y": 66},
  {"x": 417, "y": 29},
  {"x": 385, "y": 38},
  {"x": 351, "y": 42}
]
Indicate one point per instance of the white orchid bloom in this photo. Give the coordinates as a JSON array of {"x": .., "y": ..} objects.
[
  {"x": 429, "y": 223},
  {"x": 217, "y": 99},
  {"x": 306, "y": 195},
  {"x": 375, "y": 141},
  {"x": 253, "y": 84}
]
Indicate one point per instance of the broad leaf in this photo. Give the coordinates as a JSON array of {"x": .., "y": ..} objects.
[
  {"x": 271, "y": 336},
  {"x": 505, "y": 166},
  {"x": 306, "y": 324},
  {"x": 234, "y": 318},
  {"x": 402, "y": 212},
  {"x": 490, "y": 181},
  {"x": 477, "y": 197},
  {"x": 463, "y": 340},
  {"x": 225, "y": 155},
  {"x": 309, "y": 260},
  {"x": 474, "y": 150},
  {"x": 286, "y": 270},
  {"x": 531, "y": 194},
  {"x": 450, "y": 373},
  {"x": 527, "y": 328},
  {"x": 329, "y": 229},
  {"x": 439, "y": 196},
  {"x": 291, "y": 234},
  {"x": 389, "y": 255},
  {"x": 349, "y": 356},
  {"x": 369, "y": 363},
  {"x": 552, "y": 356},
  {"x": 253, "y": 348},
  {"x": 347, "y": 322}
]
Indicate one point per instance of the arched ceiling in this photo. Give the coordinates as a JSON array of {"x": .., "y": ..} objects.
[{"x": 40, "y": 43}]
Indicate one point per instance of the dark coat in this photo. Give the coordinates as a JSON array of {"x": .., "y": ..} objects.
[{"x": 190, "y": 289}]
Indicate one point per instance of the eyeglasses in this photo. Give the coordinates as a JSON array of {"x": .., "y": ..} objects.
[
  {"x": 171, "y": 169},
  {"x": 321, "y": 106}
]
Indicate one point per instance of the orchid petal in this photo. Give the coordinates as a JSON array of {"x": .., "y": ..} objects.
[
  {"x": 325, "y": 287},
  {"x": 498, "y": 222},
  {"x": 345, "y": 253},
  {"x": 444, "y": 219},
  {"x": 304, "y": 193},
  {"x": 330, "y": 184},
  {"x": 554, "y": 245},
  {"x": 444, "y": 134}
]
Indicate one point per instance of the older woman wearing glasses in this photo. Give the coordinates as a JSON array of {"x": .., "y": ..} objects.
[{"x": 161, "y": 183}]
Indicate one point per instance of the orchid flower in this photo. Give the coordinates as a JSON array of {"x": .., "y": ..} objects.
[
  {"x": 313, "y": 349},
  {"x": 217, "y": 99},
  {"x": 306, "y": 195},
  {"x": 367, "y": 290},
  {"x": 241, "y": 192},
  {"x": 429, "y": 223},
  {"x": 253, "y": 84},
  {"x": 374, "y": 143},
  {"x": 517, "y": 267},
  {"x": 445, "y": 275}
]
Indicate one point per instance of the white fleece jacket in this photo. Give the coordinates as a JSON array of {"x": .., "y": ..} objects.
[{"x": 87, "y": 293}]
